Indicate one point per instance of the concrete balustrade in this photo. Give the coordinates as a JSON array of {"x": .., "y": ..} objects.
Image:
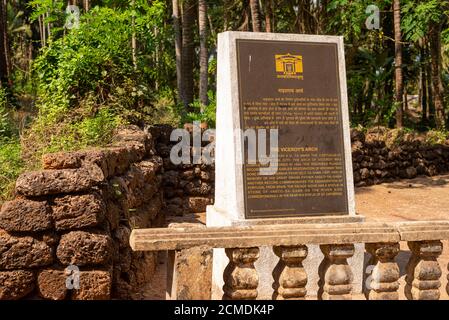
[{"x": 289, "y": 242}]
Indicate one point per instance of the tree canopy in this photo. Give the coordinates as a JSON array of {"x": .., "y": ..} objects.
[{"x": 72, "y": 71}]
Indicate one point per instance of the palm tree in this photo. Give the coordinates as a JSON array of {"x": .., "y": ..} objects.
[
  {"x": 268, "y": 14},
  {"x": 255, "y": 15},
  {"x": 202, "y": 24},
  {"x": 437, "y": 83},
  {"x": 399, "y": 84},
  {"x": 178, "y": 44},
  {"x": 187, "y": 51},
  {"x": 133, "y": 36},
  {"x": 4, "y": 43}
]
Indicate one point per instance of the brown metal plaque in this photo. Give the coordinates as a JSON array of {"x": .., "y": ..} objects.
[{"x": 293, "y": 87}]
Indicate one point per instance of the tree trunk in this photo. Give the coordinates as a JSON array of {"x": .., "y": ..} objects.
[
  {"x": 202, "y": 23},
  {"x": 245, "y": 24},
  {"x": 43, "y": 32},
  {"x": 156, "y": 57},
  {"x": 178, "y": 44},
  {"x": 86, "y": 5},
  {"x": 4, "y": 71},
  {"x": 187, "y": 52},
  {"x": 399, "y": 85},
  {"x": 255, "y": 15},
  {"x": 430, "y": 105},
  {"x": 405, "y": 100},
  {"x": 133, "y": 36},
  {"x": 423, "y": 101},
  {"x": 422, "y": 84},
  {"x": 437, "y": 83},
  {"x": 225, "y": 15},
  {"x": 48, "y": 24},
  {"x": 268, "y": 14}
]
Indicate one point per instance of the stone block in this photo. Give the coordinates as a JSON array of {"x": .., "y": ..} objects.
[
  {"x": 78, "y": 211},
  {"x": 189, "y": 271},
  {"x": 121, "y": 235},
  {"x": 198, "y": 204},
  {"x": 198, "y": 188},
  {"x": 16, "y": 284},
  {"x": 189, "y": 274},
  {"x": 82, "y": 248},
  {"x": 50, "y": 182},
  {"x": 23, "y": 252},
  {"x": 62, "y": 160},
  {"x": 131, "y": 280},
  {"x": 113, "y": 211},
  {"x": 94, "y": 285},
  {"x": 22, "y": 215},
  {"x": 51, "y": 284},
  {"x": 142, "y": 216},
  {"x": 119, "y": 158},
  {"x": 148, "y": 169},
  {"x": 131, "y": 133}
]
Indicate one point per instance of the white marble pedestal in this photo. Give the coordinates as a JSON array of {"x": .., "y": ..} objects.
[{"x": 229, "y": 206}]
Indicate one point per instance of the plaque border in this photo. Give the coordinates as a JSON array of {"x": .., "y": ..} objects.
[{"x": 246, "y": 212}]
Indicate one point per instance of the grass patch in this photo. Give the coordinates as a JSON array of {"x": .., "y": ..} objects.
[{"x": 11, "y": 166}]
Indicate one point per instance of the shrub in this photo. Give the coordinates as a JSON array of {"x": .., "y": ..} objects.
[
  {"x": 436, "y": 137},
  {"x": 11, "y": 165},
  {"x": 88, "y": 83},
  {"x": 7, "y": 129},
  {"x": 208, "y": 113}
]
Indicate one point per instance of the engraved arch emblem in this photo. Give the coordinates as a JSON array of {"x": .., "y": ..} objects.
[{"x": 288, "y": 64}]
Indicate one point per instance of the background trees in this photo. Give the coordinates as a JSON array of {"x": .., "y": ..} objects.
[
  {"x": 399, "y": 85},
  {"x": 204, "y": 56},
  {"x": 67, "y": 85},
  {"x": 405, "y": 57},
  {"x": 4, "y": 44}
]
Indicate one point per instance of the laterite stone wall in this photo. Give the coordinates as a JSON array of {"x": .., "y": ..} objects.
[
  {"x": 79, "y": 211},
  {"x": 383, "y": 155}
]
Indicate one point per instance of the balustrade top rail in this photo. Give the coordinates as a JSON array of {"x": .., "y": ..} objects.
[{"x": 156, "y": 239}]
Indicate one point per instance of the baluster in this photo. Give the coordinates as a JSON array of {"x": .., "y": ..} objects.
[
  {"x": 447, "y": 286},
  {"x": 383, "y": 282},
  {"x": 290, "y": 278},
  {"x": 335, "y": 273},
  {"x": 423, "y": 270},
  {"x": 240, "y": 276}
]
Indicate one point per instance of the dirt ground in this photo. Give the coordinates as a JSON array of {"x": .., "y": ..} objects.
[{"x": 423, "y": 198}]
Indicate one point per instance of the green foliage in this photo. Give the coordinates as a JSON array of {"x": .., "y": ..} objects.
[
  {"x": 92, "y": 59},
  {"x": 4, "y": 116},
  {"x": 436, "y": 137},
  {"x": 11, "y": 165},
  {"x": 88, "y": 83},
  {"x": 95, "y": 130},
  {"x": 418, "y": 15},
  {"x": 350, "y": 17},
  {"x": 165, "y": 109},
  {"x": 208, "y": 113},
  {"x": 7, "y": 128}
]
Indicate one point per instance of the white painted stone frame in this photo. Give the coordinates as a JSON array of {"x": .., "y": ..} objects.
[{"x": 229, "y": 195}]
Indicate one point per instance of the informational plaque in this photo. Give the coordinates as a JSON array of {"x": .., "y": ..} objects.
[{"x": 294, "y": 87}]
